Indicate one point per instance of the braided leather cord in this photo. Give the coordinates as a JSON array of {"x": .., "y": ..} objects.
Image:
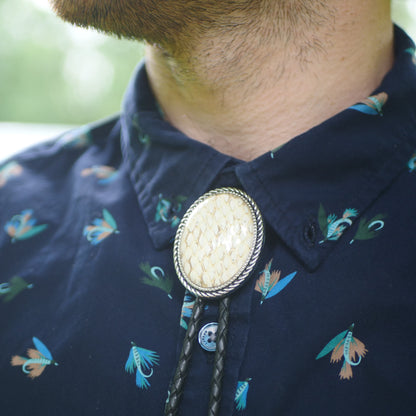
[
  {"x": 176, "y": 388},
  {"x": 221, "y": 343}
]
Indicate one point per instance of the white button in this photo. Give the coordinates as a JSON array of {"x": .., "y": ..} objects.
[{"x": 207, "y": 336}]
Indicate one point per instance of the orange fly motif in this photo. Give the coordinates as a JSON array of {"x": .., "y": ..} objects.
[
  {"x": 105, "y": 174},
  {"x": 101, "y": 228},
  {"x": 23, "y": 226},
  {"x": 9, "y": 170},
  {"x": 372, "y": 105},
  {"x": 269, "y": 283},
  {"x": 344, "y": 345},
  {"x": 37, "y": 361}
]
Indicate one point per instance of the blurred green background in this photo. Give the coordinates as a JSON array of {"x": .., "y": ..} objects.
[{"x": 52, "y": 72}]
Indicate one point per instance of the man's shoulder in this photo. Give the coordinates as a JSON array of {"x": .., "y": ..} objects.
[
  {"x": 71, "y": 143},
  {"x": 51, "y": 169}
]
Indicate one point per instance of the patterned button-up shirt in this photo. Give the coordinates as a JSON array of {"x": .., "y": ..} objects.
[{"x": 92, "y": 315}]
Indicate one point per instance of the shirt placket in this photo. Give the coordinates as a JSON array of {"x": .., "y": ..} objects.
[{"x": 196, "y": 393}]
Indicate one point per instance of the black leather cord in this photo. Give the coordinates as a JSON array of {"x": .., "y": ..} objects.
[
  {"x": 176, "y": 388},
  {"x": 177, "y": 385},
  {"x": 221, "y": 341}
]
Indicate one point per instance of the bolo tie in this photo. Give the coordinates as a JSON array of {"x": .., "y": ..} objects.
[{"x": 217, "y": 245}]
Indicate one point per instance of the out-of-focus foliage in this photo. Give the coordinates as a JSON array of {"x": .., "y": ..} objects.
[
  {"x": 404, "y": 14},
  {"x": 52, "y": 72}
]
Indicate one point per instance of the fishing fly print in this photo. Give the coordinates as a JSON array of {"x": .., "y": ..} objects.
[
  {"x": 411, "y": 52},
  {"x": 9, "y": 290},
  {"x": 104, "y": 174},
  {"x": 411, "y": 164},
  {"x": 142, "y": 361},
  {"x": 240, "y": 398},
  {"x": 156, "y": 277},
  {"x": 345, "y": 346},
  {"x": 168, "y": 209},
  {"x": 8, "y": 171},
  {"x": 76, "y": 139},
  {"x": 269, "y": 283},
  {"x": 23, "y": 226},
  {"x": 38, "y": 360},
  {"x": 144, "y": 138},
  {"x": 187, "y": 308},
  {"x": 370, "y": 229},
  {"x": 101, "y": 228},
  {"x": 333, "y": 227},
  {"x": 372, "y": 105}
]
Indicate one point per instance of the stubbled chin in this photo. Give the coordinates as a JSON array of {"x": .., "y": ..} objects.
[
  {"x": 86, "y": 13},
  {"x": 123, "y": 18}
]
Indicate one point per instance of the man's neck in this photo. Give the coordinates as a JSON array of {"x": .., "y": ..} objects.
[{"x": 251, "y": 89}]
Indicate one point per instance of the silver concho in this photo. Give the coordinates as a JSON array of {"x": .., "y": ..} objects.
[{"x": 218, "y": 242}]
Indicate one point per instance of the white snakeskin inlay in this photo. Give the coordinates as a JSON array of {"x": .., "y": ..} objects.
[{"x": 217, "y": 241}]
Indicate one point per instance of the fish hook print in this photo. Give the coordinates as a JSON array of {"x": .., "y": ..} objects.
[
  {"x": 269, "y": 283},
  {"x": 344, "y": 345},
  {"x": 37, "y": 361},
  {"x": 141, "y": 360}
]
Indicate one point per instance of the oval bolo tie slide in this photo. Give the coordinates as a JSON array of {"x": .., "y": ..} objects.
[{"x": 217, "y": 245}]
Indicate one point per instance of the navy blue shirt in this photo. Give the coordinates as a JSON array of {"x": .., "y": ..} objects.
[{"x": 92, "y": 315}]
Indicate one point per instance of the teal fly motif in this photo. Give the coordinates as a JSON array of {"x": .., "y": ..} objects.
[
  {"x": 16, "y": 285},
  {"x": 412, "y": 163},
  {"x": 168, "y": 209},
  {"x": 101, "y": 228},
  {"x": 143, "y": 361},
  {"x": 241, "y": 394},
  {"x": 269, "y": 283},
  {"x": 37, "y": 361},
  {"x": 369, "y": 229},
  {"x": 23, "y": 226},
  {"x": 411, "y": 51},
  {"x": 156, "y": 277},
  {"x": 187, "y": 308},
  {"x": 372, "y": 105},
  {"x": 144, "y": 138},
  {"x": 275, "y": 150},
  {"x": 333, "y": 227},
  {"x": 105, "y": 174},
  {"x": 344, "y": 345},
  {"x": 8, "y": 171}
]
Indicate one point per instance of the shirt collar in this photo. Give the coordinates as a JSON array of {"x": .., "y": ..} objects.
[
  {"x": 169, "y": 171},
  {"x": 342, "y": 164}
]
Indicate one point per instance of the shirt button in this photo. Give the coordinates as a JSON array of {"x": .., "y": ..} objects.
[{"x": 207, "y": 336}]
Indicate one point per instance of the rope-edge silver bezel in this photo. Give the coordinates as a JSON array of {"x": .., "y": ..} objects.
[{"x": 238, "y": 279}]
